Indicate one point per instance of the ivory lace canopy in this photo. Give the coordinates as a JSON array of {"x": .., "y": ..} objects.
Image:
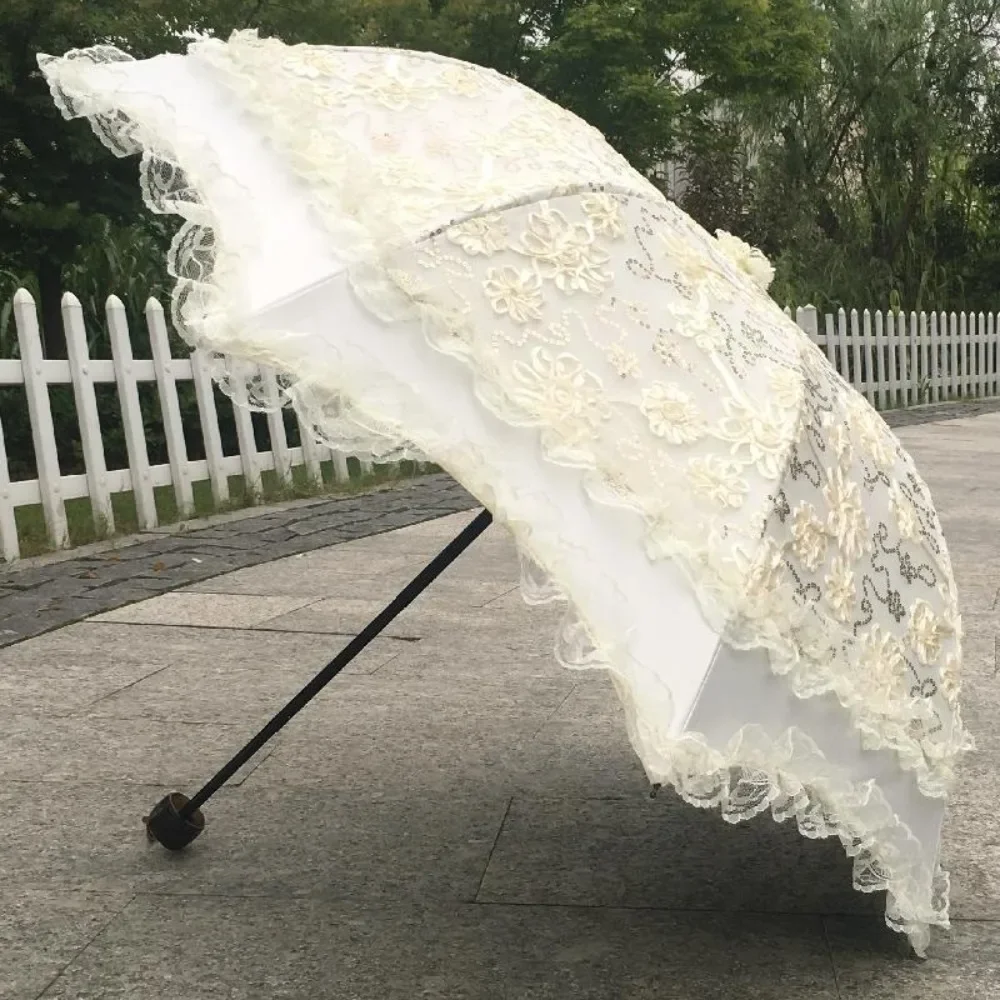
[{"x": 501, "y": 244}]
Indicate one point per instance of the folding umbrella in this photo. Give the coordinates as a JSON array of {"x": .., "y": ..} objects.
[{"x": 441, "y": 264}]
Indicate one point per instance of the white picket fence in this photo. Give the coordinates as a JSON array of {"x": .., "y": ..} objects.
[
  {"x": 52, "y": 489},
  {"x": 893, "y": 359},
  {"x": 909, "y": 359}
]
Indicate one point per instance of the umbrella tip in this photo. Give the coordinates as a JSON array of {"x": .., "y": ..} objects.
[{"x": 169, "y": 826}]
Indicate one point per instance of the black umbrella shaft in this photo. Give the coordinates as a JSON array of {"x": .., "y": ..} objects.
[{"x": 377, "y": 625}]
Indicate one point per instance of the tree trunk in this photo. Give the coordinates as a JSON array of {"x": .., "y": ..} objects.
[{"x": 49, "y": 274}]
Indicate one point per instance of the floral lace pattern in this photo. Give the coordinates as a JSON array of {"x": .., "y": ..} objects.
[
  {"x": 801, "y": 523},
  {"x": 644, "y": 352},
  {"x": 346, "y": 118}
]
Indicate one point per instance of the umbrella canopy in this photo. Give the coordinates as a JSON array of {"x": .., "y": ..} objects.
[{"x": 442, "y": 264}]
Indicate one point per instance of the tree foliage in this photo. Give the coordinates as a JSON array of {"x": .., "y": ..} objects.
[
  {"x": 621, "y": 64},
  {"x": 879, "y": 182},
  {"x": 856, "y": 140}
]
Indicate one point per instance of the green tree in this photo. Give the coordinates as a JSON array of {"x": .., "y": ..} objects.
[
  {"x": 59, "y": 189},
  {"x": 620, "y": 64},
  {"x": 864, "y": 188}
]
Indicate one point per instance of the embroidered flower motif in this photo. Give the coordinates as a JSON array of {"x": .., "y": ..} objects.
[
  {"x": 623, "y": 361},
  {"x": 951, "y": 677},
  {"x": 463, "y": 81},
  {"x": 717, "y": 479},
  {"x": 758, "y": 435},
  {"x": 666, "y": 348},
  {"x": 846, "y": 519},
  {"x": 565, "y": 253},
  {"x": 927, "y": 632},
  {"x": 559, "y": 391},
  {"x": 905, "y": 514},
  {"x": 396, "y": 89},
  {"x": 514, "y": 293},
  {"x": 768, "y": 573},
  {"x": 881, "y": 665},
  {"x": 697, "y": 324},
  {"x": 312, "y": 62},
  {"x": 949, "y": 609},
  {"x": 483, "y": 236},
  {"x": 841, "y": 593},
  {"x": 810, "y": 537},
  {"x": 747, "y": 258},
  {"x": 839, "y": 438},
  {"x": 672, "y": 414},
  {"x": 691, "y": 264},
  {"x": 410, "y": 286},
  {"x": 873, "y": 436},
  {"x": 318, "y": 152},
  {"x": 605, "y": 215},
  {"x": 786, "y": 388}
]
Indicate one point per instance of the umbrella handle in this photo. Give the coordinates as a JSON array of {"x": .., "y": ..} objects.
[{"x": 176, "y": 820}]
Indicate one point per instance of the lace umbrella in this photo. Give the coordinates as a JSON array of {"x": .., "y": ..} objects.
[{"x": 441, "y": 264}]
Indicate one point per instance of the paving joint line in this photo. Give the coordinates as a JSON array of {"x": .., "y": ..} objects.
[
  {"x": 104, "y": 926},
  {"x": 493, "y": 847}
]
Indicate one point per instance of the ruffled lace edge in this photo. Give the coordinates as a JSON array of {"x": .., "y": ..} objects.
[{"x": 886, "y": 855}]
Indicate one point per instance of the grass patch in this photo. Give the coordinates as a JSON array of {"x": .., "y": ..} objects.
[{"x": 34, "y": 540}]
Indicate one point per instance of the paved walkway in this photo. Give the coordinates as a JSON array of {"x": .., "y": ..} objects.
[
  {"x": 455, "y": 818},
  {"x": 55, "y": 591}
]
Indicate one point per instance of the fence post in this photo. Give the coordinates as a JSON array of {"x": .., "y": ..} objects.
[
  {"x": 43, "y": 434},
  {"x": 923, "y": 387},
  {"x": 842, "y": 343},
  {"x": 963, "y": 355},
  {"x": 341, "y": 470},
  {"x": 276, "y": 428},
  {"x": 992, "y": 361},
  {"x": 955, "y": 355},
  {"x": 135, "y": 431},
  {"x": 310, "y": 453},
  {"x": 859, "y": 380},
  {"x": 253, "y": 484},
  {"x": 895, "y": 354},
  {"x": 883, "y": 389},
  {"x": 833, "y": 346},
  {"x": 913, "y": 379},
  {"x": 871, "y": 377},
  {"x": 209, "y": 416},
  {"x": 935, "y": 348},
  {"x": 808, "y": 319},
  {"x": 170, "y": 408},
  {"x": 8, "y": 522},
  {"x": 982, "y": 386},
  {"x": 94, "y": 460}
]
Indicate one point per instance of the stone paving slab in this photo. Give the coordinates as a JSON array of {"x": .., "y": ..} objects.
[
  {"x": 196, "y": 947},
  {"x": 38, "y": 598},
  {"x": 456, "y": 817}
]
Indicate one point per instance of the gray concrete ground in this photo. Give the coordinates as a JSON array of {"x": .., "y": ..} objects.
[{"x": 456, "y": 817}]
